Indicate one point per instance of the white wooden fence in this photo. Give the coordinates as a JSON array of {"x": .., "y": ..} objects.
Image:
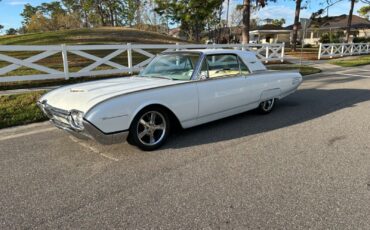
[
  {"x": 265, "y": 52},
  {"x": 342, "y": 49}
]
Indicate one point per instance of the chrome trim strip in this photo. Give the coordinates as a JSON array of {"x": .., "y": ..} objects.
[{"x": 108, "y": 118}]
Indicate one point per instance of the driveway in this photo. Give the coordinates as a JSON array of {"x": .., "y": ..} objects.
[{"x": 306, "y": 165}]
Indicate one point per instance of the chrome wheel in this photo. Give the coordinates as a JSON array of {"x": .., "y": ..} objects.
[
  {"x": 151, "y": 128},
  {"x": 267, "y": 106}
]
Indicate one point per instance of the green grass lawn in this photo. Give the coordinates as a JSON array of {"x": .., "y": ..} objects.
[
  {"x": 304, "y": 70},
  {"x": 20, "y": 109},
  {"x": 358, "y": 61},
  {"x": 104, "y": 35},
  {"x": 58, "y": 82}
]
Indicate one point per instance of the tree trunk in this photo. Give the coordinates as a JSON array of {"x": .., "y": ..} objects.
[
  {"x": 197, "y": 31},
  {"x": 111, "y": 14},
  {"x": 246, "y": 21},
  {"x": 296, "y": 21},
  {"x": 101, "y": 13},
  {"x": 86, "y": 20},
  {"x": 349, "y": 23},
  {"x": 138, "y": 12}
]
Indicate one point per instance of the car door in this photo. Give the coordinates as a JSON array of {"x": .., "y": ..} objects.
[
  {"x": 255, "y": 83},
  {"x": 222, "y": 87}
]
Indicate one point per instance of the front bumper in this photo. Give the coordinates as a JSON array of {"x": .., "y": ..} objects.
[{"x": 60, "y": 118}]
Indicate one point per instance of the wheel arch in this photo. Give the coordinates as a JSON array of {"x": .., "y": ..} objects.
[{"x": 173, "y": 117}]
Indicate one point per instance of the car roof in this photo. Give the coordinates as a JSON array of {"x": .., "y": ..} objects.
[
  {"x": 217, "y": 51},
  {"x": 248, "y": 57}
]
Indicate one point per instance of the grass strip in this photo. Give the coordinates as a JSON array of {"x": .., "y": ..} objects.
[
  {"x": 358, "y": 61},
  {"x": 20, "y": 109},
  {"x": 304, "y": 70}
]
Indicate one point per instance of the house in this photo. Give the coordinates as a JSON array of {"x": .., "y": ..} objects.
[
  {"x": 259, "y": 34},
  {"x": 335, "y": 25},
  {"x": 270, "y": 34}
]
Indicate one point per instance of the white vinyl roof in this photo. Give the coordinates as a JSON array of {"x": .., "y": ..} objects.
[{"x": 248, "y": 57}]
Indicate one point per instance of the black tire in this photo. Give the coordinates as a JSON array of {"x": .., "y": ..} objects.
[
  {"x": 267, "y": 106},
  {"x": 149, "y": 134}
]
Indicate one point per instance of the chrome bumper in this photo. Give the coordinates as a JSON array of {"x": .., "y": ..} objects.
[{"x": 60, "y": 118}]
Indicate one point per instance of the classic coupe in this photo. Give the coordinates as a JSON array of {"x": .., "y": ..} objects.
[{"x": 187, "y": 88}]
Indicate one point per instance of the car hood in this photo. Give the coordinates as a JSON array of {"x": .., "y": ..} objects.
[{"x": 85, "y": 95}]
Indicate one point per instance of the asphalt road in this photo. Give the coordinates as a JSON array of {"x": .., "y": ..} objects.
[{"x": 306, "y": 165}]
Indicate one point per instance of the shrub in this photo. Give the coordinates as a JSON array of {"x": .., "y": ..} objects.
[
  {"x": 361, "y": 40},
  {"x": 331, "y": 37}
]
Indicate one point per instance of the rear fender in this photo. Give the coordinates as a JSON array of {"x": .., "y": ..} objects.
[{"x": 270, "y": 94}]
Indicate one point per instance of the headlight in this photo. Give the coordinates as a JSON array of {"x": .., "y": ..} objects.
[{"x": 76, "y": 119}]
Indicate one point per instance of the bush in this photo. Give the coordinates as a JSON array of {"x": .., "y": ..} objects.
[
  {"x": 331, "y": 37},
  {"x": 361, "y": 40}
]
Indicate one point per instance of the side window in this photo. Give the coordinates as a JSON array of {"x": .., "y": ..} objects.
[
  {"x": 243, "y": 68},
  {"x": 224, "y": 65}
]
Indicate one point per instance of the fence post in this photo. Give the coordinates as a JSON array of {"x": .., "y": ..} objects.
[
  {"x": 65, "y": 62},
  {"x": 320, "y": 49},
  {"x": 214, "y": 46},
  {"x": 282, "y": 52},
  {"x": 177, "y": 46},
  {"x": 129, "y": 57},
  {"x": 367, "y": 48},
  {"x": 267, "y": 53},
  {"x": 331, "y": 50},
  {"x": 351, "y": 52},
  {"x": 342, "y": 50}
]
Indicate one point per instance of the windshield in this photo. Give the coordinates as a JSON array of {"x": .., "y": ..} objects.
[{"x": 179, "y": 66}]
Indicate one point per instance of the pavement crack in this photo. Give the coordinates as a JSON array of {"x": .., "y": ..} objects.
[{"x": 333, "y": 140}]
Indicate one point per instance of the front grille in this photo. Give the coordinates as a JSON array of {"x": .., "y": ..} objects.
[{"x": 56, "y": 115}]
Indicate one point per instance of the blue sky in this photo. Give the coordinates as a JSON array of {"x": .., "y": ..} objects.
[{"x": 10, "y": 10}]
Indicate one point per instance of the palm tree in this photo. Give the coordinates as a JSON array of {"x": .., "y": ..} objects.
[
  {"x": 296, "y": 21},
  {"x": 246, "y": 20},
  {"x": 247, "y": 17},
  {"x": 349, "y": 23}
]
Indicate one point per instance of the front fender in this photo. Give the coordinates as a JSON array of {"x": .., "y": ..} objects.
[{"x": 116, "y": 114}]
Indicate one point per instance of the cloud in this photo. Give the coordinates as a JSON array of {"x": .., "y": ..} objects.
[{"x": 279, "y": 11}]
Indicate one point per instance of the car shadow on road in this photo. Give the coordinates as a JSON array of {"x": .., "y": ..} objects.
[{"x": 302, "y": 106}]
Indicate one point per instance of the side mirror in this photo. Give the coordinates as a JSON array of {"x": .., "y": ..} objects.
[{"x": 203, "y": 76}]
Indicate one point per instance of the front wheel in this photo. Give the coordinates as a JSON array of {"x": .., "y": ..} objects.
[
  {"x": 267, "y": 106},
  {"x": 150, "y": 129}
]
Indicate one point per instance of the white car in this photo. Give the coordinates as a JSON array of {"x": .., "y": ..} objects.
[{"x": 188, "y": 88}]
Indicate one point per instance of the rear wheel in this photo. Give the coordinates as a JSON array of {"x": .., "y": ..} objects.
[
  {"x": 150, "y": 129},
  {"x": 267, "y": 106}
]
